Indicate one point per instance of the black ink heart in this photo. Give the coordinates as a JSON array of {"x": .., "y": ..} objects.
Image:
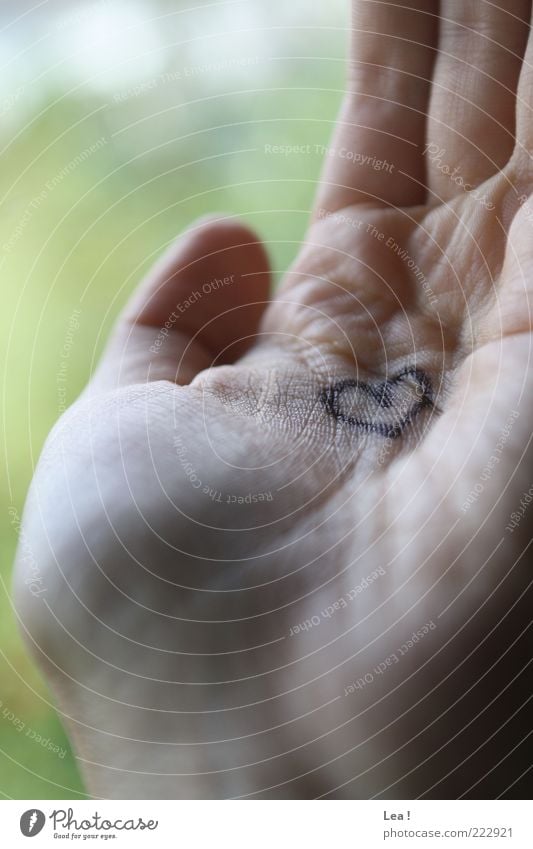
[{"x": 405, "y": 395}]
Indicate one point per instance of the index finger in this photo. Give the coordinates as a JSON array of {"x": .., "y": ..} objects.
[{"x": 376, "y": 153}]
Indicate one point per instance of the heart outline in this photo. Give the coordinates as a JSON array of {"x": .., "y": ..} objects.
[{"x": 383, "y": 395}]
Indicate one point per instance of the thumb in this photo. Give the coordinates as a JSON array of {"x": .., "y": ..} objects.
[{"x": 199, "y": 306}]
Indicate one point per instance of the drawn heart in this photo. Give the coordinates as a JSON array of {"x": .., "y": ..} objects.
[{"x": 362, "y": 405}]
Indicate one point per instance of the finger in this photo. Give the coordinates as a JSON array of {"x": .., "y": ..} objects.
[
  {"x": 524, "y": 108},
  {"x": 377, "y": 147},
  {"x": 199, "y": 306},
  {"x": 471, "y": 125}
]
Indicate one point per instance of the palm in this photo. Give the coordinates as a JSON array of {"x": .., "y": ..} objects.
[{"x": 261, "y": 466}]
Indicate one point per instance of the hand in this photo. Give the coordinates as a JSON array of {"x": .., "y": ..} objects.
[{"x": 272, "y": 536}]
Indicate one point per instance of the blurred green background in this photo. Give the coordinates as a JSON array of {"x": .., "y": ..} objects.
[{"x": 120, "y": 124}]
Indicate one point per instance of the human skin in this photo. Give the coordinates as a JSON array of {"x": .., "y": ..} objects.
[{"x": 171, "y": 628}]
